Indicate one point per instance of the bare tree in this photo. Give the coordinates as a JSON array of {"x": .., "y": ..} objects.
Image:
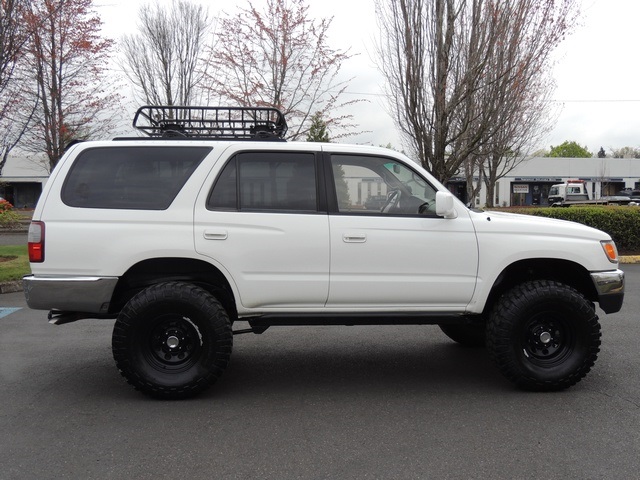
[
  {"x": 163, "y": 60},
  {"x": 68, "y": 58},
  {"x": 624, "y": 152},
  {"x": 522, "y": 130},
  {"x": 520, "y": 85},
  {"x": 524, "y": 110},
  {"x": 279, "y": 57},
  {"x": 16, "y": 109},
  {"x": 459, "y": 72}
]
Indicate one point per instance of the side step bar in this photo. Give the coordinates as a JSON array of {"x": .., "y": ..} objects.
[{"x": 260, "y": 324}]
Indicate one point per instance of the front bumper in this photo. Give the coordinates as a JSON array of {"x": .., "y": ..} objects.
[
  {"x": 74, "y": 294},
  {"x": 610, "y": 288}
]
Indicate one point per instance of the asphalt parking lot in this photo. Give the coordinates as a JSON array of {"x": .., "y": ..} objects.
[{"x": 314, "y": 402}]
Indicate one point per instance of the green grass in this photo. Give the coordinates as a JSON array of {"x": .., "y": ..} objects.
[{"x": 15, "y": 268}]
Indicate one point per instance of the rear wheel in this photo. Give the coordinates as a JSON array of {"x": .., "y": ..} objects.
[
  {"x": 543, "y": 335},
  {"x": 172, "y": 340}
]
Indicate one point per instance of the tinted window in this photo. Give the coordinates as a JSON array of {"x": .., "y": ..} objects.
[
  {"x": 144, "y": 178},
  {"x": 267, "y": 181},
  {"x": 225, "y": 192}
]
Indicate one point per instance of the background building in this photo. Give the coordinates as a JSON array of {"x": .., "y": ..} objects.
[
  {"x": 529, "y": 182},
  {"x": 22, "y": 180}
]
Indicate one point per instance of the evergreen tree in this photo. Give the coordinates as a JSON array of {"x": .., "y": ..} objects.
[{"x": 318, "y": 129}]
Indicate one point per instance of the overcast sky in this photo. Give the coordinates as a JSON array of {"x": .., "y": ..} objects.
[{"x": 596, "y": 73}]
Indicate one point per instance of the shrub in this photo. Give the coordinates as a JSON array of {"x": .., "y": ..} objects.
[
  {"x": 622, "y": 223},
  {"x": 5, "y": 206},
  {"x": 8, "y": 218}
]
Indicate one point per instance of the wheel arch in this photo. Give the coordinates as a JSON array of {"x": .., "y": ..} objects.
[
  {"x": 157, "y": 270},
  {"x": 562, "y": 271}
]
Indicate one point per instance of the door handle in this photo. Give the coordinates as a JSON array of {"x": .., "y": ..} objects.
[
  {"x": 215, "y": 235},
  {"x": 354, "y": 238}
]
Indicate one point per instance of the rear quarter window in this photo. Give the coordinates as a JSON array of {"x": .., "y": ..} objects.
[{"x": 138, "y": 178}]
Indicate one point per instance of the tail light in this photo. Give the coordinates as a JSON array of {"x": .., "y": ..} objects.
[{"x": 36, "y": 242}]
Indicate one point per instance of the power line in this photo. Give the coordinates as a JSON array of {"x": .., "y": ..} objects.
[
  {"x": 575, "y": 100},
  {"x": 601, "y": 100}
]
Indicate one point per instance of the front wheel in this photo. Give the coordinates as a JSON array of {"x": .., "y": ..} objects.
[
  {"x": 543, "y": 335},
  {"x": 172, "y": 340}
]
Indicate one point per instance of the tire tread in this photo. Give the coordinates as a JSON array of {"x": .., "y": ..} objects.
[
  {"x": 499, "y": 336},
  {"x": 167, "y": 291}
]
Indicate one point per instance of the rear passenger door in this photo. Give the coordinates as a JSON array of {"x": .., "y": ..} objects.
[{"x": 262, "y": 220}]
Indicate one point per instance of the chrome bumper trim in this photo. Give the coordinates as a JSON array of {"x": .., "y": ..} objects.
[
  {"x": 608, "y": 283},
  {"x": 78, "y": 294},
  {"x": 610, "y": 288}
]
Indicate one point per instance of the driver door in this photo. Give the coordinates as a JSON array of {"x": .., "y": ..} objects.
[{"x": 398, "y": 255}]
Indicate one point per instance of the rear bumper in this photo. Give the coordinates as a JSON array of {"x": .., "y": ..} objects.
[
  {"x": 610, "y": 288},
  {"x": 76, "y": 294}
]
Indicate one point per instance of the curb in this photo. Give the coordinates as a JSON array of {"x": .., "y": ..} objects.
[{"x": 11, "y": 287}]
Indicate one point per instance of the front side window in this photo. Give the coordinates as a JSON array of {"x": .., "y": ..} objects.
[
  {"x": 378, "y": 185},
  {"x": 138, "y": 178},
  {"x": 279, "y": 181}
]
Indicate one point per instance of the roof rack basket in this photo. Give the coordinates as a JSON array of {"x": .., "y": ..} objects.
[{"x": 220, "y": 123}]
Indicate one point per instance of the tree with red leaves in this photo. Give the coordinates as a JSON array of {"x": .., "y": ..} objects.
[
  {"x": 69, "y": 58},
  {"x": 279, "y": 57}
]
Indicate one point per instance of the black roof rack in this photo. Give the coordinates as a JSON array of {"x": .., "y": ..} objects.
[{"x": 219, "y": 123}]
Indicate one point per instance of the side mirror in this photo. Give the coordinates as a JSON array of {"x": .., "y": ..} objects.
[{"x": 445, "y": 205}]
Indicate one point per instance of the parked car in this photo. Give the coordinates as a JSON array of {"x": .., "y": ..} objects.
[
  {"x": 214, "y": 220},
  {"x": 633, "y": 194}
]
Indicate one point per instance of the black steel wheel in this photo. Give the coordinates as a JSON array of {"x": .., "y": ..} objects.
[
  {"x": 548, "y": 340},
  {"x": 172, "y": 340},
  {"x": 543, "y": 335}
]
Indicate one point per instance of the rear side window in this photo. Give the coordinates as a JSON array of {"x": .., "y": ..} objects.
[
  {"x": 281, "y": 181},
  {"x": 137, "y": 178}
]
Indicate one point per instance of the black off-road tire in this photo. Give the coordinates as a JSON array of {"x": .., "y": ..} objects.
[
  {"x": 543, "y": 335},
  {"x": 172, "y": 340},
  {"x": 472, "y": 335}
]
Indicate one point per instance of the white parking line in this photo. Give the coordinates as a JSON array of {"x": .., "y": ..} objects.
[{"x": 4, "y": 311}]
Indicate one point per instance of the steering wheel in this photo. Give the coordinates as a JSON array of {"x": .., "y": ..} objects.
[
  {"x": 393, "y": 199},
  {"x": 426, "y": 207}
]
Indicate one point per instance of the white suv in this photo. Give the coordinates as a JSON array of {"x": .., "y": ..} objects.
[{"x": 213, "y": 219}]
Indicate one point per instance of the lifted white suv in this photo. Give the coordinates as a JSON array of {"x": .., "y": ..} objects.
[{"x": 213, "y": 219}]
